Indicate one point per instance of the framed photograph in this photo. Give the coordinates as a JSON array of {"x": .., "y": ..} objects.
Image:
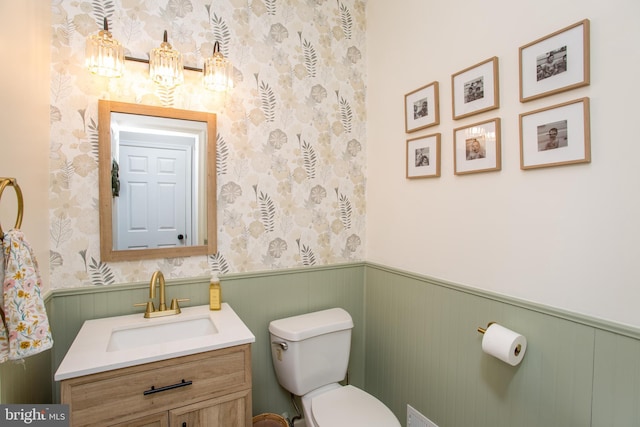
[
  {"x": 556, "y": 135},
  {"x": 555, "y": 63},
  {"x": 422, "y": 108},
  {"x": 476, "y": 148},
  {"x": 475, "y": 89},
  {"x": 423, "y": 157}
]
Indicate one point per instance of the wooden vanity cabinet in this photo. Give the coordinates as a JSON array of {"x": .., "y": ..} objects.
[
  {"x": 155, "y": 420},
  {"x": 211, "y": 389}
]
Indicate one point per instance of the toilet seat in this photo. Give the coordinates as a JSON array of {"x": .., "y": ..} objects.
[{"x": 349, "y": 406}]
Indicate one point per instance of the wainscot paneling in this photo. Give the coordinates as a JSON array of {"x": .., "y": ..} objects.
[
  {"x": 261, "y": 298},
  {"x": 415, "y": 342},
  {"x": 27, "y": 381},
  {"x": 257, "y": 298},
  {"x": 616, "y": 392},
  {"x": 423, "y": 349}
]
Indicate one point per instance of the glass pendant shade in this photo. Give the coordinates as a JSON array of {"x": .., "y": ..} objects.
[
  {"x": 104, "y": 54},
  {"x": 217, "y": 71},
  {"x": 165, "y": 65}
]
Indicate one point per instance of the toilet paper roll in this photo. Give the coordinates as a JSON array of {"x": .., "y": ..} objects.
[{"x": 504, "y": 344}]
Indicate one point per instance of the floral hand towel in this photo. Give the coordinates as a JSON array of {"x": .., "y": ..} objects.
[
  {"x": 4, "y": 335},
  {"x": 27, "y": 326}
]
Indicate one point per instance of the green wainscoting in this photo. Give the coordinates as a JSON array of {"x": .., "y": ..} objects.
[
  {"x": 616, "y": 396},
  {"x": 257, "y": 298},
  {"x": 422, "y": 348},
  {"x": 28, "y": 382},
  {"x": 415, "y": 342},
  {"x": 260, "y": 298}
]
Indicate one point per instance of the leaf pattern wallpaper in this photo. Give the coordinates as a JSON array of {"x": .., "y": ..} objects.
[{"x": 291, "y": 135}]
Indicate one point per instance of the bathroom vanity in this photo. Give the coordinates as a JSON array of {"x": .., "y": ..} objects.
[{"x": 195, "y": 370}]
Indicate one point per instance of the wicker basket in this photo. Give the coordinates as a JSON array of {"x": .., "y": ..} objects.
[{"x": 269, "y": 420}]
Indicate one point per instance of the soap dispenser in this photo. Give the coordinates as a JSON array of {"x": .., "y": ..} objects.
[{"x": 215, "y": 294}]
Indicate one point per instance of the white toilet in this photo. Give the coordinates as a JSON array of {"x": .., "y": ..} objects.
[{"x": 310, "y": 355}]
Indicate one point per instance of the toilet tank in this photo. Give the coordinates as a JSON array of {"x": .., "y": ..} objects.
[{"x": 311, "y": 350}]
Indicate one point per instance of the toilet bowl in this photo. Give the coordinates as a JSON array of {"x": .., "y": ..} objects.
[
  {"x": 310, "y": 354},
  {"x": 347, "y": 406}
]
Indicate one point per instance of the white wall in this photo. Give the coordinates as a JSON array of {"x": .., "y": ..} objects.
[
  {"x": 24, "y": 120},
  {"x": 563, "y": 236}
]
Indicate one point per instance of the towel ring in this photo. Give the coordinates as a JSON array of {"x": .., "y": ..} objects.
[{"x": 4, "y": 182}]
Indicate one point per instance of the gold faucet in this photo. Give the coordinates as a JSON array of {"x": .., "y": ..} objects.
[{"x": 158, "y": 279}]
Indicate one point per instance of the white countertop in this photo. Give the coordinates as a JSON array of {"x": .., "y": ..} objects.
[{"x": 88, "y": 353}]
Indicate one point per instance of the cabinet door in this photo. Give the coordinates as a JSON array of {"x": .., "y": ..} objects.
[
  {"x": 115, "y": 396},
  {"x": 232, "y": 410},
  {"x": 154, "y": 420}
]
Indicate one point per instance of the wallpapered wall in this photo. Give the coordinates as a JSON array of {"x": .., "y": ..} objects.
[{"x": 291, "y": 135}]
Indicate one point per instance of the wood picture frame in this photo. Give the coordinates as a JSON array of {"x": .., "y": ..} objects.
[
  {"x": 556, "y": 135},
  {"x": 477, "y": 147},
  {"x": 423, "y": 157},
  {"x": 422, "y": 108},
  {"x": 555, "y": 63},
  {"x": 475, "y": 89}
]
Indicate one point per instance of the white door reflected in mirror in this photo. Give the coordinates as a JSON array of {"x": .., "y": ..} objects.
[
  {"x": 152, "y": 208},
  {"x": 156, "y": 191}
]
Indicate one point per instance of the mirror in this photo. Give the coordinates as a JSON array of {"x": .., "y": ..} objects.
[{"x": 157, "y": 178}]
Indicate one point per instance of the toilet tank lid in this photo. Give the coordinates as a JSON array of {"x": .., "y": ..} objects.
[{"x": 298, "y": 328}]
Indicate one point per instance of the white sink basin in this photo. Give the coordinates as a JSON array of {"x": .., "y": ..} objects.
[
  {"x": 177, "y": 329},
  {"x": 122, "y": 341}
]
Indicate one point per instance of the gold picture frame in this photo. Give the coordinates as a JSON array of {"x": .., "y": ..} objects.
[
  {"x": 556, "y": 135},
  {"x": 475, "y": 89},
  {"x": 423, "y": 157},
  {"x": 477, "y": 148},
  {"x": 555, "y": 63},
  {"x": 422, "y": 108}
]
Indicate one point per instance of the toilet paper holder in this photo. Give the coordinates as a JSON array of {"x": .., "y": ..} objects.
[{"x": 482, "y": 330}]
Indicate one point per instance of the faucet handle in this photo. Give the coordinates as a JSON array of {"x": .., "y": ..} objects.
[
  {"x": 148, "y": 304},
  {"x": 175, "y": 301}
]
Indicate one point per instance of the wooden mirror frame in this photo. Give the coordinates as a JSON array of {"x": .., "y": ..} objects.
[{"x": 107, "y": 251}]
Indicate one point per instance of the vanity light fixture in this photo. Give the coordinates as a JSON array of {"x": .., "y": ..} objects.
[
  {"x": 104, "y": 54},
  {"x": 165, "y": 65},
  {"x": 105, "y": 57},
  {"x": 217, "y": 72}
]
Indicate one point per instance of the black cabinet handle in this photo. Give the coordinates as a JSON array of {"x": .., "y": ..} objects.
[
  {"x": 180, "y": 237},
  {"x": 152, "y": 390}
]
